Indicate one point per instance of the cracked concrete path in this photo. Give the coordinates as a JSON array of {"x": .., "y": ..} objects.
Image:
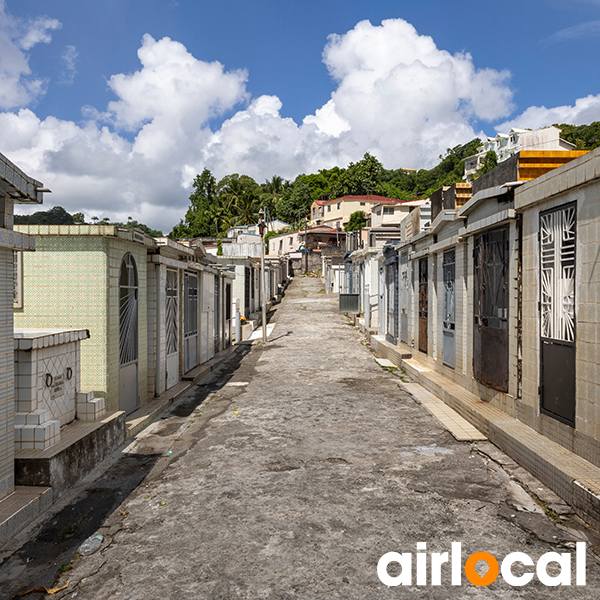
[{"x": 294, "y": 478}]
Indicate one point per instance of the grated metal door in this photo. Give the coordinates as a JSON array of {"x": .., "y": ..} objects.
[
  {"x": 190, "y": 322},
  {"x": 557, "y": 304},
  {"x": 391, "y": 285},
  {"x": 404, "y": 286},
  {"x": 172, "y": 328},
  {"x": 449, "y": 323},
  {"x": 217, "y": 340},
  {"x": 490, "y": 333},
  {"x": 247, "y": 273},
  {"x": 423, "y": 305},
  {"x": 128, "y": 335}
]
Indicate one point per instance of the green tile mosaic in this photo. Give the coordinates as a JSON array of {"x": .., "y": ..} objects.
[{"x": 72, "y": 281}]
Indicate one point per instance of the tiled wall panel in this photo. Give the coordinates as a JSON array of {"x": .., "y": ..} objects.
[
  {"x": 6, "y": 374},
  {"x": 71, "y": 281}
]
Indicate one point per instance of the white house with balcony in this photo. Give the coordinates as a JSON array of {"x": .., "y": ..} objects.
[{"x": 506, "y": 145}]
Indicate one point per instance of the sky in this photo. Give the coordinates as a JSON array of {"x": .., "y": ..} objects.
[{"x": 117, "y": 105}]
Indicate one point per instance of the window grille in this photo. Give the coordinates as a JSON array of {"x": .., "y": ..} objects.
[
  {"x": 557, "y": 244},
  {"x": 172, "y": 311},
  {"x": 128, "y": 311}
]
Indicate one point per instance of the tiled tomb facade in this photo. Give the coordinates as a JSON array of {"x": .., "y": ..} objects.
[
  {"x": 74, "y": 283},
  {"x": 15, "y": 187},
  {"x": 47, "y": 386}
]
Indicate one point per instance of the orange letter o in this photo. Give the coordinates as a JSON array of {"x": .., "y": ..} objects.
[{"x": 492, "y": 572}]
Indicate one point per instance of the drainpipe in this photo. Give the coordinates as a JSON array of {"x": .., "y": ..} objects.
[{"x": 157, "y": 334}]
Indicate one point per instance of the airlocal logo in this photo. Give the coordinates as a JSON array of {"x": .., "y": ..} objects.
[{"x": 493, "y": 568}]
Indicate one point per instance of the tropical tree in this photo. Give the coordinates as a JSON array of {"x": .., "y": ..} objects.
[
  {"x": 295, "y": 203},
  {"x": 271, "y": 193},
  {"x": 54, "y": 216},
  {"x": 246, "y": 208},
  {"x": 359, "y": 178},
  {"x": 274, "y": 186},
  {"x": 198, "y": 221},
  {"x": 357, "y": 221},
  {"x": 490, "y": 160}
]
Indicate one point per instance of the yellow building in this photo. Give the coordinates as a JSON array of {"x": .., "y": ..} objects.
[{"x": 336, "y": 213}]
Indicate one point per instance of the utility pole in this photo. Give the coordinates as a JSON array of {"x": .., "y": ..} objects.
[
  {"x": 306, "y": 246},
  {"x": 261, "y": 229}
]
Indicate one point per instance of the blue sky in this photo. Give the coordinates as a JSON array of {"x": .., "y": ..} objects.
[{"x": 115, "y": 105}]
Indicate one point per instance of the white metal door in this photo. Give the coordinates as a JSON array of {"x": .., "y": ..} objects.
[
  {"x": 172, "y": 328},
  {"x": 190, "y": 322},
  {"x": 404, "y": 297},
  {"x": 208, "y": 318}
]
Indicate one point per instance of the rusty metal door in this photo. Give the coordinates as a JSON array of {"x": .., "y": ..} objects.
[
  {"x": 490, "y": 310},
  {"x": 449, "y": 322},
  {"x": 557, "y": 307},
  {"x": 423, "y": 305}
]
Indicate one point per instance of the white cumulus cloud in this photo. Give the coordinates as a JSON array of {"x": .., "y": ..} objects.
[
  {"x": 585, "y": 110},
  {"x": 18, "y": 86},
  {"x": 395, "y": 94}
]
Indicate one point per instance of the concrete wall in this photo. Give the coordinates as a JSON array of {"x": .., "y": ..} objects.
[
  {"x": 298, "y": 265},
  {"x": 289, "y": 242},
  {"x": 155, "y": 271}
]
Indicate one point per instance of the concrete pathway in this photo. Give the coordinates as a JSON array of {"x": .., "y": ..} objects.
[{"x": 297, "y": 475}]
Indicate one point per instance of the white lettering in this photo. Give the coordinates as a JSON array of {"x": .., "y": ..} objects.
[
  {"x": 563, "y": 578},
  {"x": 404, "y": 560},
  {"x": 508, "y": 562},
  {"x": 456, "y": 566},
  {"x": 421, "y": 564},
  {"x": 437, "y": 560}
]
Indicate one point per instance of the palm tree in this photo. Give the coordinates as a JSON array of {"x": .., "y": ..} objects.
[
  {"x": 246, "y": 209},
  {"x": 272, "y": 191},
  {"x": 275, "y": 186}
]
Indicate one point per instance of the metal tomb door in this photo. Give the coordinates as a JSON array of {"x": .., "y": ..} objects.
[
  {"x": 247, "y": 273},
  {"x": 449, "y": 325},
  {"x": 557, "y": 304},
  {"x": 423, "y": 305},
  {"x": 490, "y": 332},
  {"x": 128, "y": 335},
  {"x": 217, "y": 316},
  {"x": 391, "y": 286},
  {"x": 207, "y": 335},
  {"x": 172, "y": 328},
  {"x": 190, "y": 322},
  {"x": 404, "y": 297}
]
